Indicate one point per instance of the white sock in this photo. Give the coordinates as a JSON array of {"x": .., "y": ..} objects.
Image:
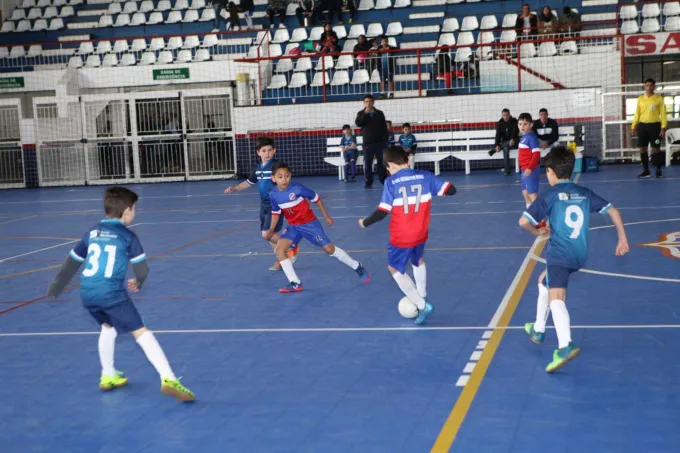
[
  {"x": 406, "y": 285},
  {"x": 528, "y": 205},
  {"x": 560, "y": 317},
  {"x": 343, "y": 257},
  {"x": 420, "y": 276},
  {"x": 155, "y": 354},
  {"x": 542, "y": 308},
  {"x": 287, "y": 267},
  {"x": 107, "y": 346}
]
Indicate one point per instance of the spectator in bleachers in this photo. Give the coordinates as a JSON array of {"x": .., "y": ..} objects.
[
  {"x": 386, "y": 66},
  {"x": 329, "y": 40},
  {"x": 443, "y": 65},
  {"x": 334, "y": 8},
  {"x": 247, "y": 7},
  {"x": 374, "y": 130},
  {"x": 234, "y": 21},
  {"x": 527, "y": 24},
  {"x": 546, "y": 129},
  {"x": 274, "y": 8},
  {"x": 570, "y": 21},
  {"x": 218, "y": 6},
  {"x": 390, "y": 134},
  {"x": 547, "y": 22},
  {"x": 507, "y": 138},
  {"x": 352, "y": 8},
  {"x": 363, "y": 49},
  {"x": 308, "y": 9}
]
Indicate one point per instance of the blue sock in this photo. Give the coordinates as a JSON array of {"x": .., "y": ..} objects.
[
  {"x": 347, "y": 170},
  {"x": 354, "y": 168}
]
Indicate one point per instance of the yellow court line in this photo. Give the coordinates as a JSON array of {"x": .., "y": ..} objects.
[
  {"x": 39, "y": 237},
  {"x": 449, "y": 431},
  {"x": 439, "y": 249},
  {"x": 32, "y": 271}
]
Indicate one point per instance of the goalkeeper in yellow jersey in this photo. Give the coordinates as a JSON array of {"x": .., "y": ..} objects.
[{"x": 650, "y": 124}]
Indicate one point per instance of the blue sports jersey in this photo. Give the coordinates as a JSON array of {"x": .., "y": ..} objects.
[
  {"x": 347, "y": 141},
  {"x": 407, "y": 141},
  {"x": 390, "y": 137},
  {"x": 106, "y": 250},
  {"x": 262, "y": 176},
  {"x": 568, "y": 207}
]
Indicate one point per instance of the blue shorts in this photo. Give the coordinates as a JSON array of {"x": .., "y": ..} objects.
[
  {"x": 530, "y": 183},
  {"x": 558, "y": 276},
  {"x": 266, "y": 219},
  {"x": 397, "y": 257},
  {"x": 312, "y": 231},
  {"x": 124, "y": 316},
  {"x": 350, "y": 155}
]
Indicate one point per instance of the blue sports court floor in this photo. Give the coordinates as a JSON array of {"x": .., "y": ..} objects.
[{"x": 335, "y": 368}]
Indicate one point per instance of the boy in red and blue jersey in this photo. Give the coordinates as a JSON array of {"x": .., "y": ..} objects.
[
  {"x": 529, "y": 158},
  {"x": 408, "y": 196},
  {"x": 292, "y": 201}
]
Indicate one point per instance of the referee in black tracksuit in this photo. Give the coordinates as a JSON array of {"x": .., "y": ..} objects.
[{"x": 374, "y": 130}]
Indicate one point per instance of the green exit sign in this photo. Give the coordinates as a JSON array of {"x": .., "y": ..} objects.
[
  {"x": 171, "y": 74},
  {"x": 11, "y": 82}
]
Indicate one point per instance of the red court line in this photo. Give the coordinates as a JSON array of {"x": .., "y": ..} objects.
[{"x": 181, "y": 247}]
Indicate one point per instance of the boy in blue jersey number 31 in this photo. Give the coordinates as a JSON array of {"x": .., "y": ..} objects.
[
  {"x": 106, "y": 249},
  {"x": 567, "y": 207}
]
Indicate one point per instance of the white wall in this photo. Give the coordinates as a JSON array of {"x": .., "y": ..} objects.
[
  {"x": 7, "y": 7},
  {"x": 468, "y": 109}
]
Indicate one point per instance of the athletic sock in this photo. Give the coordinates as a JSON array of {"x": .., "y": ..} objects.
[
  {"x": 107, "y": 347},
  {"x": 155, "y": 354},
  {"x": 344, "y": 258},
  {"x": 560, "y": 317},
  {"x": 287, "y": 267},
  {"x": 542, "y": 308},
  {"x": 420, "y": 276},
  {"x": 407, "y": 287}
]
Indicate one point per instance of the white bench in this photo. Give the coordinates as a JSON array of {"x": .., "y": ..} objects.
[{"x": 434, "y": 147}]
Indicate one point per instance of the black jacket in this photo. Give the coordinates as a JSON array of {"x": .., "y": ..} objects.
[
  {"x": 374, "y": 129},
  {"x": 549, "y": 133},
  {"x": 507, "y": 130}
]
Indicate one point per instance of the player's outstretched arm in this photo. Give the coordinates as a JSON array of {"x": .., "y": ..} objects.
[
  {"x": 622, "y": 245},
  {"x": 141, "y": 271},
  {"x": 238, "y": 187},
  {"x": 270, "y": 232},
  {"x": 529, "y": 227},
  {"x": 322, "y": 208},
  {"x": 66, "y": 273},
  {"x": 377, "y": 216}
]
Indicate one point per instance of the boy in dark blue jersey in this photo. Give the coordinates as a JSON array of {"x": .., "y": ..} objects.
[
  {"x": 262, "y": 176},
  {"x": 567, "y": 206},
  {"x": 350, "y": 152},
  {"x": 408, "y": 141},
  {"x": 108, "y": 247}
]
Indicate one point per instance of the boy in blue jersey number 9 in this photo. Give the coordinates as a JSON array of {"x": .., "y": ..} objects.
[
  {"x": 567, "y": 206},
  {"x": 107, "y": 248}
]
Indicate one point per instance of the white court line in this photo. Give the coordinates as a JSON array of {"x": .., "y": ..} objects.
[
  {"x": 636, "y": 223},
  {"x": 19, "y": 220},
  {"x": 348, "y": 329}
]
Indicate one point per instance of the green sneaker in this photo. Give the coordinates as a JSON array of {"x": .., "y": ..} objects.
[
  {"x": 176, "y": 389},
  {"x": 562, "y": 356},
  {"x": 107, "y": 383},
  {"x": 536, "y": 337}
]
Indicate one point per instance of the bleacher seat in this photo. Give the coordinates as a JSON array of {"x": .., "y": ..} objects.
[
  {"x": 303, "y": 64},
  {"x": 130, "y": 7},
  {"x": 93, "y": 61},
  {"x": 138, "y": 19},
  {"x": 470, "y": 23},
  {"x": 165, "y": 57},
  {"x": 4, "y": 52},
  {"x": 34, "y": 13},
  {"x": 184, "y": 56},
  {"x": 27, "y": 4},
  {"x": 17, "y": 52},
  {"x": 402, "y": 3},
  {"x": 316, "y": 33},
  {"x": 650, "y": 10},
  {"x": 56, "y": 24},
  {"x": 146, "y": 6},
  {"x": 450, "y": 25},
  {"x": 174, "y": 43},
  {"x": 568, "y": 48},
  {"x": 527, "y": 50},
  {"x": 59, "y": 2},
  {"x": 355, "y": 31},
  {"x": 488, "y": 23},
  {"x": 128, "y": 59},
  {"x": 197, "y": 4},
  {"x": 122, "y": 20},
  {"x": 50, "y": 13},
  {"x": 23, "y": 25},
  {"x": 43, "y": 3},
  {"x": 209, "y": 41},
  {"x": 85, "y": 48},
  {"x": 105, "y": 21},
  {"x": 163, "y": 5},
  {"x": 360, "y": 77},
  {"x": 275, "y": 50},
  {"x": 110, "y": 60},
  {"x": 18, "y": 14},
  {"x": 7, "y": 27},
  {"x": 672, "y": 23},
  {"x": 394, "y": 29},
  {"x": 75, "y": 62},
  {"x": 138, "y": 45},
  {"x": 324, "y": 63},
  {"x": 190, "y": 16},
  {"x": 446, "y": 39},
  {"x": 174, "y": 17},
  {"x": 547, "y": 49},
  {"x": 348, "y": 45},
  {"x": 148, "y": 58},
  {"x": 299, "y": 35},
  {"x": 650, "y": 25},
  {"x": 120, "y": 46},
  {"x": 278, "y": 81},
  {"x": 463, "y": 54},
  {"x": 66, "y": 11},
  {"x": 181, "y": 5},
  {"x": 156, "y": 44},
  {"x": 284, "y": 65},
  {"x": 113, "y": 9},
  {"x": 374, "y": 30},
  {"x": 103, "y": 47},
  {"x": 383, "y": 4},
  {"x": 208, "y": 14},
  {"x": 155, "y": 18},
  {"x": 509, "y": 20},
  {"x": 628, "y": 12},
  {"x": 340, "y": 78},
  {"x": 202, "y": 55},
  {"x": 281, "y": 36},
  {"x": 290, "y": 47},
  {"x": 341, "y": 31},
  {"x": 465, "y": 38},
  {"x": 345, "y": 62},
  {"x": 508, "y": 36},
  {"x": 629, "y": 27},
  {"x": 486, "y": 37},
  {"x": 191, "y": 42},
  {"x": 366, "y": 5},
  {"x": 34, "y": 51},
  {"x": 671, "y": 9},
  {"x": 40, "y": 25},
  {"x": 298, "y": 80},
  {"x": 320, "y": 79}
]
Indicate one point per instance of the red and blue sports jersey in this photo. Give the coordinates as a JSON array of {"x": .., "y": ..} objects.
[
  {"x": 408, "y": 196},
  {"x": 293, "y": 204},
  {"x": 108, "y": 248},
  {"x": 529, "y": 151}
]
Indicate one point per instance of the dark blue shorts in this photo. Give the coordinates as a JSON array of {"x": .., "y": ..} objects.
[
  {"x": 350, "y": 155},
  {"x": 530, "y": 183},
  {"x": 266, "y": 219},
  {"x": 558, "y": 276},
  {"x": 124, "y": 317},
  {"x": 397, "y": 257},
  {"x": 312, "y": 231}
]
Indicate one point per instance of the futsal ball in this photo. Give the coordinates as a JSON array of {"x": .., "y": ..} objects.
[{"x": 407, "y": 309}]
